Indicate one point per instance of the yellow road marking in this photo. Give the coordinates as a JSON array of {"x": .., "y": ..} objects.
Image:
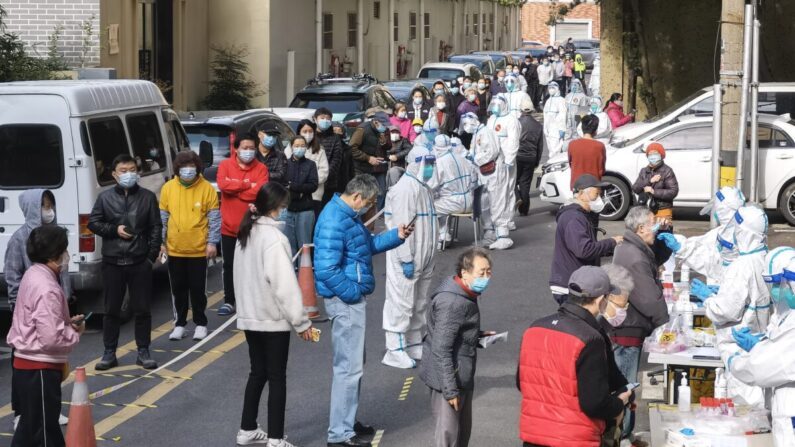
[
  {"x": 116, "y": 405},
  {"x": 377, "y": 438},
  {"x": 404, "y": 392},
  {"x": 134, "y": 376},
  {"x": 98, "y": 438},
  {"x": 159, "y": 391},
  {"x": 129, "y": 347}
]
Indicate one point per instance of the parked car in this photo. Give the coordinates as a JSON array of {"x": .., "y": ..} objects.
[
  {"x": 347, "y": 98},
  {"x": 401, "y": 89},
  {"x": 535, "y": 50},
  {"x": 448, "y": 71},
  {"x": 589, "y": 48},
  {"x": 500, "y": 58},
  {"x": 63, "y": 136},
  {"x": 221, "y": 129},
  {"x": 688, "y": 148},
  {"x": 775, "y": 98},
  {"x": 531, "y": 42},
  {"x": 293, "y": 116},
  {"x": 484, "y": 63}
]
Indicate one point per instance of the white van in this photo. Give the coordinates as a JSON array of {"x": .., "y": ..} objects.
[{"x": 63, "y": 136}]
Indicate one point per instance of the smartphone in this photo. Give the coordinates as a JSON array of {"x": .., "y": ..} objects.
[
  {"x": 85, "y": 317},
  {"x": 632, "y": 386},
  {"x": 413, "y": 220}
]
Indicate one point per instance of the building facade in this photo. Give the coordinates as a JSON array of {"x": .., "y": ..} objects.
[
  {"x": 36, "y": 21},
  {"x": 290, "y": 41},
  {"x": 582, "y": 22}
]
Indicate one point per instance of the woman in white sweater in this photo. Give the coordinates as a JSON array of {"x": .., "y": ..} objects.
[{"x": 269, "y": 306}]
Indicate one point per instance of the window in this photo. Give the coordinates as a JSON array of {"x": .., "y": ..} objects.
[
  {"x": 30, "y": 155},
  {"x": 693, "y": 138},
  {"x": 412, "y": 25},
  {"x": 768, "y": 138},
  {"x": 395, "y": 27},
  {"x": 147, "y": 143},
  {"x": 466, "y": 25},
  {"x": 351, "y": 29},
  {"x": 108, "y": 140},
  {"x": 475, "y": 24},
  {"x": 216, "y": 135},
  {"x": 427, "y": 26},
  {"x": 328, "y": 34},
  {"x": 777, "y": 103},
  {"x": 376, "y": 10},
  {"x": 491, "y": 22}
]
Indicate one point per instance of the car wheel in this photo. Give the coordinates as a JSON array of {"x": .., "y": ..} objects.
[
  {"x": 617, "y": 198},
  {"x": 786, "y": 204}
]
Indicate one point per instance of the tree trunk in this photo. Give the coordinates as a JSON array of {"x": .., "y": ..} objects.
[
  {"x": 651, "y": 104},
  {"x": 632, "y": 90}
]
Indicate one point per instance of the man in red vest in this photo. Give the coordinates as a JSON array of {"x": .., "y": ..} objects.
[{"x": 571, "y": 387}]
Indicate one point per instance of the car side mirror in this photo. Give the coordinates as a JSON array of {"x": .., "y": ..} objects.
[{"x": 206, "y": 153}]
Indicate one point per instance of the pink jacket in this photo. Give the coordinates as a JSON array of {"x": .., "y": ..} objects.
[
  {"x": 406, "y": 129},
  {"x": 616, "y": 115},
  {"x": 41, "y": 329},
  {"x": 568, "y": 66}
]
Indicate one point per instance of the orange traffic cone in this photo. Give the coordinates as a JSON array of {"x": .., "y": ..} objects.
[
  {"x": 306, "y": 280},
  {"x": 80, "y": 431}
]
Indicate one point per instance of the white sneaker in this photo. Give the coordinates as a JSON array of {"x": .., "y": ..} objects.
[
  {"x": 398, "y": 359},
  {"x": 511, "y": 226},
  {"x": 415, "y": 352},
  {"x": 16, "y": 421},
  {"x": 200, "y": 333},
  {"x": 63, "y": 420},
  {"x": 445, "y": 237},
  {"x": 249, "y": 437},
  {"x": 178, "y": 333},
  {"x": 279, "y": 443},
  {"x": 502, "y": 244}
]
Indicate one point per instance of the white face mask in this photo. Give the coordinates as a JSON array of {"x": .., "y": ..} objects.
[
  {"x": 402, "y": 114},
  {"x": 394, "y": 136},
  {"x": 418, "y": 129},
  {"x": 63, "y": 264},
  {"x": 597, "y": 205},
  {"x": 47, "y": 216},
  {"x": 308, "y": 136},
  {"x": 440, "y": 105}
]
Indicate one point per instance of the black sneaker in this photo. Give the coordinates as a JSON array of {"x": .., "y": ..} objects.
[
  {"x": 144, "y": 359},
  {"x": 363, "y": 430},
  {"x": 355, "y": 441},
  {"x": 108, "y": 361}
]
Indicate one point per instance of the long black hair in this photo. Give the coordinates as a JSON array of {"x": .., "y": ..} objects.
[
  {"x": 613, "y": 98},
  {"x": 270, "y": 197},
  {"x": 315, "y": 144}
]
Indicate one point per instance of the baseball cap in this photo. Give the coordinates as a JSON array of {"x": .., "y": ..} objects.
[
  {"x": 586, "y": 181},
  {"x": 591, "y": 282},
  {"x": 381, "y": 117}
]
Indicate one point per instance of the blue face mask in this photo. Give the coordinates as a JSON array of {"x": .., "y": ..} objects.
[
  {"x": 187, "y": 174},
  {"x": 427, "y": 172},
  {"x": 380, "y": 128},
  {"x": 323, "y": 124},
  {"x": 655, "y": 228},
  {"x": 362, "y": 211},
  {"x": 282, "y": 214},
  {"x": 268, "y": 140},
  {"x": 438, "y": 91},
  {"x": 495, "y": 110},
  {"x": 454, "y": 90},
  {"x": 479, "y": 284},
  {"x": 595, "y": 108},
  {"x": 654, "y": 159},
  {"x": 418, "y": 101},
  {"x": 128, "y": 180},
  {"x": 299, "y": 152}
]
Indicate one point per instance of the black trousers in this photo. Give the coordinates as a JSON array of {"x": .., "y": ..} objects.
[
  {"x": 39, "y": 392},
  {"x": 188, "y": 277},
  {"x": 268, "y": 354},
  {"x": 118, "y": 279},
  {"x": 228, "y": 252},
  {"x": 524, "y": 182}
]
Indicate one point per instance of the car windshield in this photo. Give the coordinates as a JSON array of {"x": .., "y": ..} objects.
[
  {"x": 477, "y": 60},
  {"x": 217, "y": 136},
  {"x": 619, "y": 143},
  {"x": 338, "y": 104},
  {"x": 674, "y": 107},
  {"x": 448, "y": 74}
]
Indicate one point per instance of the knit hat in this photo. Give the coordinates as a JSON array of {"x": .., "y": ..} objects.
[{"x": 655, "y": 147}]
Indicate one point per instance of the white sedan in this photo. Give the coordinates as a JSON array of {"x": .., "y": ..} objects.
[{"x": 688, "y": 148}]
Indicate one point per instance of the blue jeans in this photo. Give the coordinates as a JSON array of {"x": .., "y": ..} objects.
[
  {"x": 380, "y": 178},
  {"x": 628, "y": 361},
  {"x": 347, "y": 347},
  {"x": 298, "y": 228}
]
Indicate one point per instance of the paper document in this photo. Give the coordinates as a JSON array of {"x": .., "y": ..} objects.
[{"x": 488, "y": 340}]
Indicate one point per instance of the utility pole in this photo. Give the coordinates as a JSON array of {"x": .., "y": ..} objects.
[{"x": 731, "y": 66}]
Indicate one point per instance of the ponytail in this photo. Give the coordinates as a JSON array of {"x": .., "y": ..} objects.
[{"x": 270, "y": 197}]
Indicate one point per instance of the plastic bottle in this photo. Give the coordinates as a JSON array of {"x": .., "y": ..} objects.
[
  {"x": 684, "y": 394},
  {"x": 668, "y": 291},
  {"x": 730, "y": 409},
  {"x": 721, "y": 386},
  {"x": 685, "y": 309},
  {"x": 684, "y": 274}
]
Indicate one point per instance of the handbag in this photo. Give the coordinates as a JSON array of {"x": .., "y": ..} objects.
[{"x": 488, "y": 168}]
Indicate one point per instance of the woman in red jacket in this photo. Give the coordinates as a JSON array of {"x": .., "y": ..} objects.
[{"x": 615, "y": 111}]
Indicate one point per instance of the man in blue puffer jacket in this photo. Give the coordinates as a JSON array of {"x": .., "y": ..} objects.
[{"x": 344, "y": 251}]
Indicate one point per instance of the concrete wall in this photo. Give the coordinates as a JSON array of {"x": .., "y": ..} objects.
[
  {"x": 535, "y": 14},
  {"x": 301, "y": 40},
  {"x": 191, "y": 69},
  {"x": 35, "y": 20}
]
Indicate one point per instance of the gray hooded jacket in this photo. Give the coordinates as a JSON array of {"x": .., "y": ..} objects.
[{"x": 16, "y": 260}]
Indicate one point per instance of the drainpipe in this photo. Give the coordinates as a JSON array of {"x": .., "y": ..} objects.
[
  {"x": 480, "y": 25},
  {"x": 319, "y": 36},
  {"x": 360, "y": 35},
  {"x": 747, "y": 36},
  {"x": 717, "y": 108},
  {"x": 754, "y": 111},
  {"x": 422, "y": 32},
  {"x": 390, "y": 35}
]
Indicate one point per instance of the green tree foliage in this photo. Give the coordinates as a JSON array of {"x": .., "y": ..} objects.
[
  {"x": 15, "y": 63},
  {"x": 230, "y": 87}
]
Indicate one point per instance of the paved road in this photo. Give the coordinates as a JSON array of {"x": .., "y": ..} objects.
[{"x": 198, "y": 399}]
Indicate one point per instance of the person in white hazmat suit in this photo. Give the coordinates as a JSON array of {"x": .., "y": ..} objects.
[
  {"x": 770, "y": 360},
  {"x": 577, "y": 105},
  {"x": 554, "y": 120},
  {"x": 743, "y": 299},
  {"x": 456, "y": 178},
  {"x": 409, "y": 268},
  {"x": 596, "y": 77},
  {"x": 502, "y": 182},
  {"x": 515, "y": 95},
  {"x": 705, "y": 254},
  {"x": 484, "y": 152},
  {"x": 605, "y": 129}
]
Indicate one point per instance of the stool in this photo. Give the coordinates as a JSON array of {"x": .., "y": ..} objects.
[{"x": 474, "y": 215}]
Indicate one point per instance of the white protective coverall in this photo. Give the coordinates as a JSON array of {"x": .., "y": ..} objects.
[
  {"x": 605, "y": 129},
  {"x": 703, "y": 253},
  {"x": 485, "y": 147},
  {"x": 771, "y": 363},
  {"x": 743, "y": 299},
  {"x": 502, "y": 183},
  {"x": 515, "y": 95},
  {"x": 596, "y": 77},
  {"x": 407, "y": 298},
  {"x": 577, "y": 105},
  {"x": 457, "y": 178},
  {"x": 554, "y": 120}
]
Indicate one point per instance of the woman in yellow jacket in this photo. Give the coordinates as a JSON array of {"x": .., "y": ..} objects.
[{"x": 191, "y": 231}]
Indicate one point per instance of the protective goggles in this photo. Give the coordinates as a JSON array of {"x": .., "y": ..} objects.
[{"x": 428, "y": 159}]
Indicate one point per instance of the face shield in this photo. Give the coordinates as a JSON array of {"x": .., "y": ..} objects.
[
  {"x": 511, "y": 83},
  {"x": 725, "y": 203},
  {"x": 470, "y": 122},
  {"x": 554, "y": 89},
  {"x": 750, "y": 233},
  {"x": 575, "y": 86},
  {"x": 442, "y": 145},
  {"x": 785, "y": 299},
  {"x": 726, "y": 246},
  {"x": 498, "y": 106},
  {"x": 423, "y": 167}
]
